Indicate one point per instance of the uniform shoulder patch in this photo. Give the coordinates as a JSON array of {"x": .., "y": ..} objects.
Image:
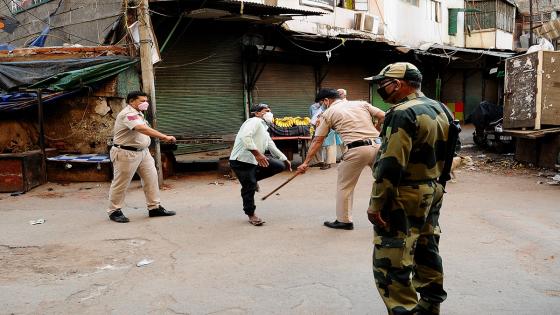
[{"x": 132, "y": 117}]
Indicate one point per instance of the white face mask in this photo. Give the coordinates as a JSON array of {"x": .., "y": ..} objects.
[
  {"x": 143, "y": 106},
  {"x": 268, "y": 117}
]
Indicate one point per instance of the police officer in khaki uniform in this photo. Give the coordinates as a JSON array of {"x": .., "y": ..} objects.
[
  {"x": 353, "y": 121},
  {"x": 130, "y": 154}
]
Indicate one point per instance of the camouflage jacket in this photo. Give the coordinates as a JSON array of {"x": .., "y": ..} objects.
[{"x": 413, "y": 150}]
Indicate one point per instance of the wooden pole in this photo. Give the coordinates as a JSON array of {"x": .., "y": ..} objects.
[{"x": 148, "y": 84}]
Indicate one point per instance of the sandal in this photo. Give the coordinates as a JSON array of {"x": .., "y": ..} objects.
[{"x": 256, "y": 221}]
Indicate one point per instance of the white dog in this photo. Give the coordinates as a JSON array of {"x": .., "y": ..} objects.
[{"x": 459, "y": 161}]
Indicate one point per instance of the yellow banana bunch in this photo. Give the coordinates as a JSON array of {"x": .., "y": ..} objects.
[
  {"x": 287, "y": 122},
  {"x": 284, "y": 122},
  {"x": 298, "y": 121}
]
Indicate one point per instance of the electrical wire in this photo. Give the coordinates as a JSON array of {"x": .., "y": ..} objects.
[
  {"x": 158, "y": 13},
  {"x": 187, "y": 26},
  {"x": 14, "y": 17},
  {"x": 187, "y": 64},
  {"x": 328, "y": 51},
  {"x": 48, "y": 24}
]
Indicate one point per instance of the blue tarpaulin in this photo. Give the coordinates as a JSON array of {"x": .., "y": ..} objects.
[
  {"x": 7, "y": 47},
  {"x": 57, "y": 78},
  {"x": 14, "y": 102},
  {"x": 41, "y": 39}
]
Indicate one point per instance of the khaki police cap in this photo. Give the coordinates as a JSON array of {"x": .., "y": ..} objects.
[{"x": 398, "y": 70}]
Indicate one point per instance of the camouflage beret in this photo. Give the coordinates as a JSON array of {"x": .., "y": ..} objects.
[{"x": 398, "y": 70}]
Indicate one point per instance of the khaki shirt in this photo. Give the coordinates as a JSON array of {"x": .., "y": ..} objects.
[
  {"x": 123, "y": 133},
  {"x": 353, "y": 120}
]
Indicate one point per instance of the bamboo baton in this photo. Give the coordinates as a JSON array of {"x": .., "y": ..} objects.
[{"x": 283, "y": 184}]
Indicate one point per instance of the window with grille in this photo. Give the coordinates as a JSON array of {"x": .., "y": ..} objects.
[{"x": 493, "y": 14}]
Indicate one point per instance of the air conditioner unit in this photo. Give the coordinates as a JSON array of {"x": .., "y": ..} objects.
[{"x": 366, "y": 22}]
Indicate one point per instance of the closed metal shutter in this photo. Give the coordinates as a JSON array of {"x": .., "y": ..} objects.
[
  {"x": 289, "y": 89},
  {"x": 199, "y": 86},
  {"x": 350, "y": 78}
]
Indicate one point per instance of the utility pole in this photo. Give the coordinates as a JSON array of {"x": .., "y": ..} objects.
[
  {"x": 148, "y": 85},
  {"x": 530, "y": 23}
]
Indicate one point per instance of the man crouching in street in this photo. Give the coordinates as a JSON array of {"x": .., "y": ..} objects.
[
  {"x": 130, "y": 154},
  {"x": 248, "y": 161}
]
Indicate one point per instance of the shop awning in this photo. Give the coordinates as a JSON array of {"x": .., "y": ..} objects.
[
  {"x": 442, "y": 50},
  {"x": 221, "y": 9}
]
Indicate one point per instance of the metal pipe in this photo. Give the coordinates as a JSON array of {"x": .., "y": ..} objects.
[
  {"x": 42, "y": 135},
  {"x": 170, "y": 34},
  {"x": 530, "y": 23}
]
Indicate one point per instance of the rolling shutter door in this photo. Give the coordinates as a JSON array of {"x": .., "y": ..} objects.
[
  {"x": 199, "y": 85},
  {"x": 289, "y": 89},
  {"x": 350, "y": 78}
]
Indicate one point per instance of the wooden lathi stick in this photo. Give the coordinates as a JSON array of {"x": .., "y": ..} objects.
[{"x": 283, "y": 184}]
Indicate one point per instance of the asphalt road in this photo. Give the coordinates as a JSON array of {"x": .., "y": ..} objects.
[{"x": 500, "y": 245}]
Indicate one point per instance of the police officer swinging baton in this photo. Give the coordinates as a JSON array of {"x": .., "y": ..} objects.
[{"x": 283, "y": 184}]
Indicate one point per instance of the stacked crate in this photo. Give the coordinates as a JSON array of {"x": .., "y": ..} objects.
[{"x": 532, "y": 106}]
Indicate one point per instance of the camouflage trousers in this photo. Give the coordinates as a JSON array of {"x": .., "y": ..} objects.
[{"x": 406, "y": 260}]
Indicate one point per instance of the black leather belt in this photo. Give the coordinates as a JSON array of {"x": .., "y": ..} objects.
[
  {"x": 360, "y": 143},
  {"x": 125, "y": 147}
]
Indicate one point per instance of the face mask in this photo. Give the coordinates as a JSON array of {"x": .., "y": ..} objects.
[
  {"x": 268, "y": 117},
  {"x": 143, "y": 106},
  {"x": 382, "y": 91}
]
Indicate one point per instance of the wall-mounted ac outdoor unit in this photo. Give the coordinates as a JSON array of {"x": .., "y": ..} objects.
[{"x": 366, "y": 22}]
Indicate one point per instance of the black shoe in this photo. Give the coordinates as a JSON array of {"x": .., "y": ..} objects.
[
  {"x": 160, "y": 212},
  {"x": 339, "y": 225},
  {"x": 118, "y": 216}
]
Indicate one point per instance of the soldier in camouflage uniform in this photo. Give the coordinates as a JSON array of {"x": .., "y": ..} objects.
[{"x": 406, "y": 199}]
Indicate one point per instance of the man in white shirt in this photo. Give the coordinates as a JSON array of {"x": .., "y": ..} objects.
[{"x": 248, "y": 161}]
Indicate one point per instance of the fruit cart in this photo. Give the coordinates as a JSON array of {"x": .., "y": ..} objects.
[
  {"x": 290, "y": 144},
  {"x": 291, "y": 135}
]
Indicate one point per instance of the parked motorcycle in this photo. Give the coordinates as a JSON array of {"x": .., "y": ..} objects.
[{"x": 489, "y": 134}]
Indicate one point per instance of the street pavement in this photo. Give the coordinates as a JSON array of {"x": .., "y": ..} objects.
[{"x": 500, "y": 247}]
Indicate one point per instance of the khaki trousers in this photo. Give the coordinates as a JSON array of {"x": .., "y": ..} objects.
[
  {"x": 125, "y": 164},
  {"x": 353, "y": 162}
]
